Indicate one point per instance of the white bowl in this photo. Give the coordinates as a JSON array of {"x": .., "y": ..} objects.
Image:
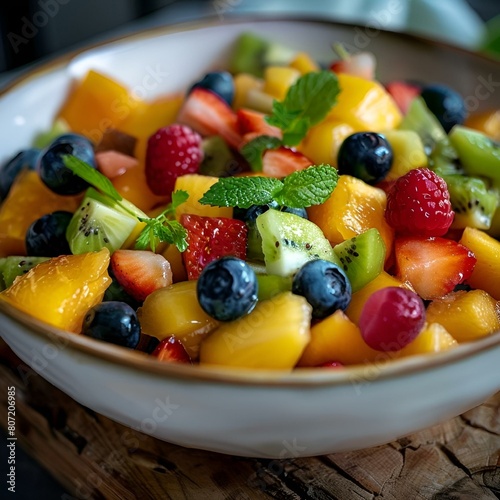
[{"x": 249, "y": 413}]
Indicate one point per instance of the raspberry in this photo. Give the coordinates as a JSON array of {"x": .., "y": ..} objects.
[
  {"x": 172, "y": 151},
  {"x": 418, "y": 204}
]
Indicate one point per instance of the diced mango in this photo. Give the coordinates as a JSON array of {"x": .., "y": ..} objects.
[
  {"x": 359, "y": 298},
  {"x": 196, "y": 186},
  {"x": 243, "y": 83},
  {"x": 432, "y": 338},
  {"x": 174, "y": 256},
  {"x": 365, "y": 105},
  {"x": 174, "y": 310},
  {"x": 486, "y": 273},
  {"x": 272, "y": 336},
  {"x": 61, "y": 290},
  {"x": 466, "y": 315},
  {"x": 304, "y": 63},
  {"x": 278, "y": 79},
  {"x": 353, "y": 208},
  {"x": 487, "y": 122},
  {"x": 336, "y": 338},
  {"x": 323, "y": 141}
]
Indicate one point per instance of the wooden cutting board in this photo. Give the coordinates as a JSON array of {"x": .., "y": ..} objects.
[{"x": 94, "y": 457}]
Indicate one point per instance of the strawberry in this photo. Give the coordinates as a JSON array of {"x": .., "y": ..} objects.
[
  {"x": 208, "y": 114},
  {"x": 171, "y": 350},
  {"x": 418, "y": 204},
  {"x": 361, "y": 64},
  {"x": 433, "y": 266},
  {"x": 140, "y": 272},
  {"x": 254, "y": 121},
  {"x": 283, "y": 161},
  {"x": 171, "y": 152},
  {"x": 210, "y": 238},
  {"x": 113, "y": 163},
  {"x": 403, "y": 93}
]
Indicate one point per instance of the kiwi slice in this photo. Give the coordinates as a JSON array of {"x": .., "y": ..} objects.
[
  {"x": 362, "y": 257},
  {"x": 473, "y": 202},
  {"x": 289, "y": 241},
  {"x": 437, "y": 145},
  {"x": 270, "y": 285},
  {"x": 97, "y": 224},
  {"x": 253, "y": 53},
  {"x": 218, "y": 160},
  {"x": 13, "y": 266},
  {"x": 478, "y": 153}
]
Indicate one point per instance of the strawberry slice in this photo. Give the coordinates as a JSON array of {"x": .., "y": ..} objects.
[
  {"x": 403, "y": 93},
  {"x": 210, "y": 238},
  {"x": 140, "y": 272},
  {"x": 171, "y": 350},
  {"x": 113, "y": 163},
  {"x": 433, "y": 266},
  {"x": 283, "y": 161},
  {"x": 254, "y": 121},
  {"x": 208, "y": 114}
]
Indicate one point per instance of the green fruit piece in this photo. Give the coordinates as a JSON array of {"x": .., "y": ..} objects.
[
  {"x": 478, "y": 153},
  {"x": 362, "y": 257},
  {"x": 13, "y": 266},
  {"x": 97, "y": 224},
  {"x": 252, "y": 54},
  {"x": 473, "y": 202},
  {"x": 43, "y": 139},
  {"x": 218, "y": 160},
  {"x": 436, "y": 142},
  {"x": 289, "y": 241},
  {"x": 270, "y": 285}
]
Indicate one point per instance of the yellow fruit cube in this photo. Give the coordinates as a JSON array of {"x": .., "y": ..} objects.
[
  {"x": 365, "y": 105},
  {"x": 243, "y": 83},
  {"x": 196, "y": 186},
  {"x": 466, "y": 315},
  {"x": 174, "y": 310},
  {"x": 486, "y": 273},
  {"x": 337, "y": 338},
  {"x": 323, "y": 141},
  {"x": 432, "y": 338},
  {"x": 304, "y": 63},
  {"x": 278, "y": 79},
  {"x": 272, "y": 336},
  {"x": 61, "y": 290}
]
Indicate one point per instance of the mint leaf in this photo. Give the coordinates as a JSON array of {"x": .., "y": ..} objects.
[
  {"x": 241, "y": 192},
  {"x": 307, "y": 102},
  {"x": 92, "y": 176},
  {"x": 311, "y": 186},
  {"x": 162, "y": 228},
  {"x": 253, "y": 151}
]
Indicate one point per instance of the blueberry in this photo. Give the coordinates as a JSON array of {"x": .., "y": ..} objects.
[
  {"x": 114, "y": 322},
  {"x": 219, "y": 82},
  {"x": 446, "y": 104},
  {"x": 227, "y": 288},
  {"x": 324, "y": 285},
  {"x": 46, "y": 237},
  {"x": 55, "y": 175},
  {"x": 25, "y": 159},
  {"x": 365, "y": 155},
  {"x": 250, "y": 214}
]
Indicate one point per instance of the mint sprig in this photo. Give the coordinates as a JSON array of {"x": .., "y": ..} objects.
[
  {"x": 158, "y": 229},
  {"x": 301, "y": 189},
  {"x": 307, "y": 102},
  {"x": 163, "y": 228},
  {"x": 253, "y": 150}
]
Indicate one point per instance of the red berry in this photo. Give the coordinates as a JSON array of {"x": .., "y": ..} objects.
[
  {"x": 391, "y": 318},
  {"x": 418, "y": 204},
  {"x": 171, "y": 350},
  {"x": 171, "y": 152}
]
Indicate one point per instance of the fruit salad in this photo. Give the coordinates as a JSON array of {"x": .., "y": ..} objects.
[{"x": 280, "y": 213}]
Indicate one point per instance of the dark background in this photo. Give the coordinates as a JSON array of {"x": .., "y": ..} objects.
[{"x": 65, "y": 25}]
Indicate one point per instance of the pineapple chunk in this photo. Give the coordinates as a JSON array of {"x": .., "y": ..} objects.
[
  {"x": 175, "y": 311},
  {"x": 432, "y": 338},
  {"x": 465, "y": 315},
  {"x": 273, "y": 336},
  {"x": 486, "y": 273}
]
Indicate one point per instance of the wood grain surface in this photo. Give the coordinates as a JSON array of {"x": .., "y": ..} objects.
[{"x": 93, "y": 457}]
